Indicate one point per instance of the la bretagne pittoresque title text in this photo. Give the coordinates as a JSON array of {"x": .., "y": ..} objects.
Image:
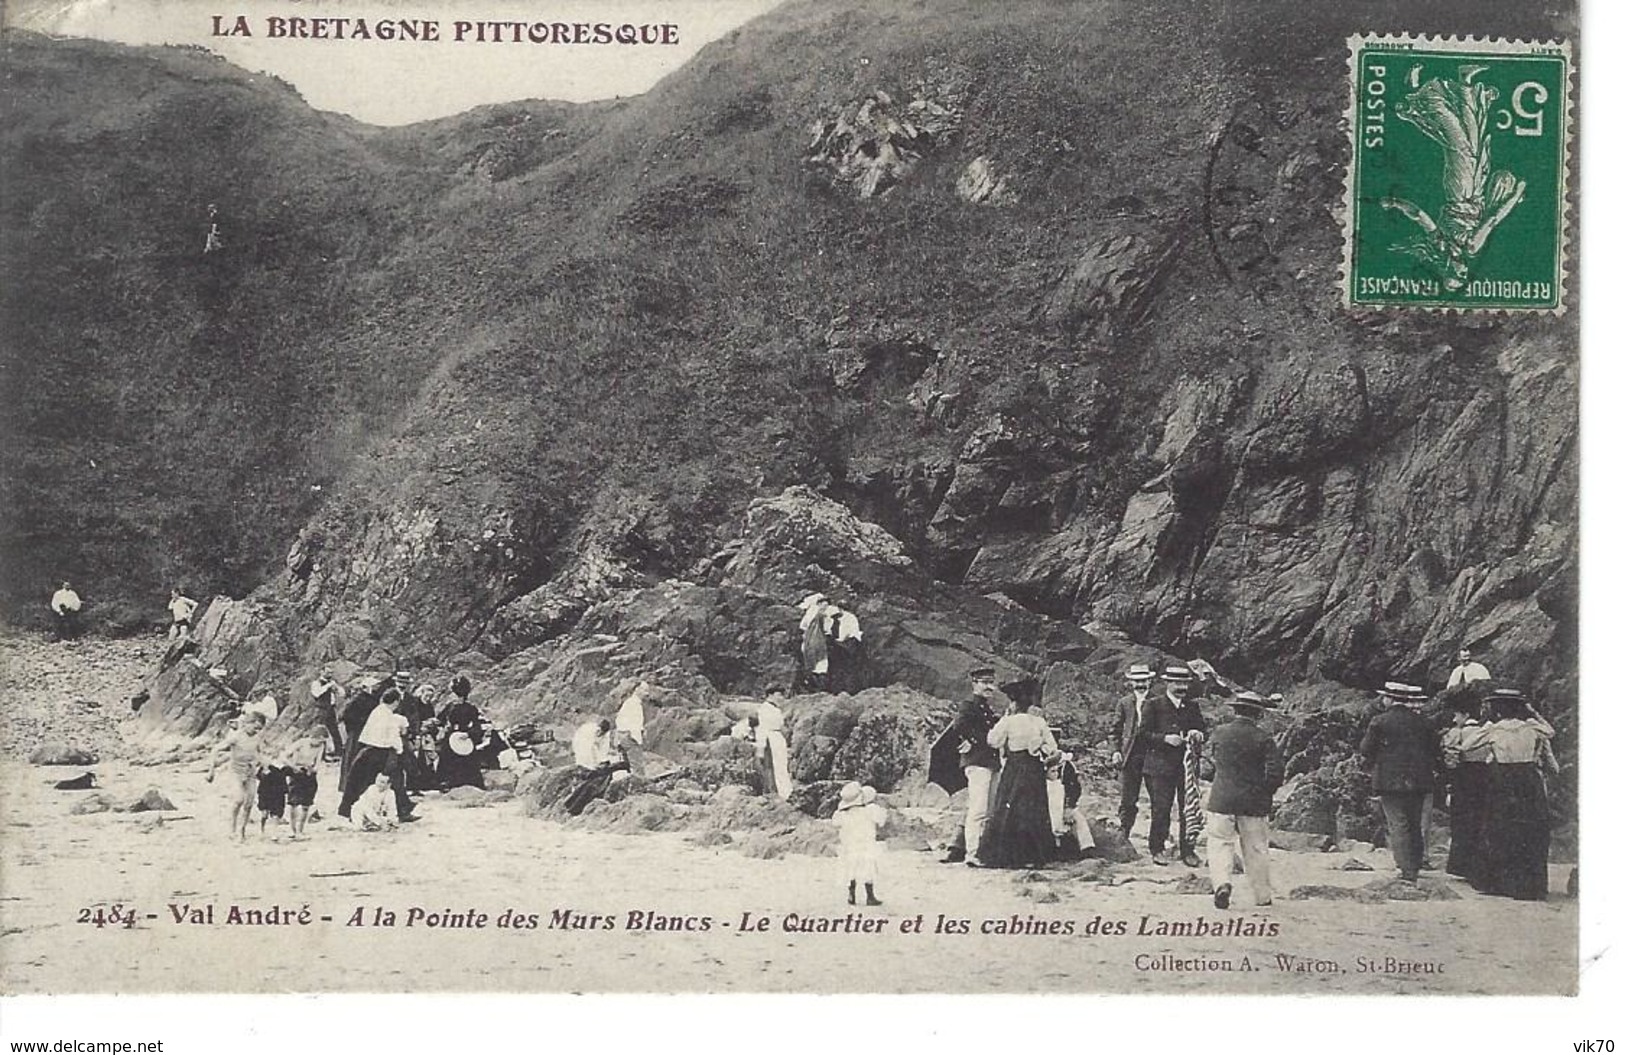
[{"x": 431, "y": 31}]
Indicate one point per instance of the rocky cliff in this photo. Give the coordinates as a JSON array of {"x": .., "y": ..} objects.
[{"x": 1024, "y": 316}]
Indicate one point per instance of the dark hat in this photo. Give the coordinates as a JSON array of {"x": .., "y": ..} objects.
[
  {"x": 981, "y": 672},
  {"x": 1141, "y": 672},
  {"x": 1177, "y": 672},
  {"x": 1510, "y": 695},
  {"x": 1403, "y": 693}
]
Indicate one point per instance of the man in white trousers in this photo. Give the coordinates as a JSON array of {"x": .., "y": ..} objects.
[{"x": 1247, "y": 769}]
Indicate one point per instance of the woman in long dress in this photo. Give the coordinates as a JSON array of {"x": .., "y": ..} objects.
[
  {"x": 459, "y": 766},
  {"x": 1515, "y": 826},
  {"x": 1468, "y": 776},
  {"x": 1018, "y": 831}
]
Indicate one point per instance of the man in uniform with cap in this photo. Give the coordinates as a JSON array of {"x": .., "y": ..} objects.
[
  {"x": 1247, "y": 769},
  {"x": 1399, "y": 748},
  {"x": 978, "y": 761},
  {"x": 1150, "y": 749}
]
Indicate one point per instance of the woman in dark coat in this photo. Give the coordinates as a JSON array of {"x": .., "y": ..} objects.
[
  {"x": 1468, "y": 775},
  {"x": 1018, "y": 832},
  {"x": 1516, "y": 828},
  {"x": 461, "y": 720}
]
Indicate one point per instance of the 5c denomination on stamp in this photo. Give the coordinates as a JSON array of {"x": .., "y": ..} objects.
[{"x": 1457, "y": 194}]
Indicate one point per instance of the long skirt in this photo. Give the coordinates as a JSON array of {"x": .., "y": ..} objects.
[
  {"x": 1468, "y": 782},
  {"x": 1516, "y": 832},
  {"x": 457, "y": 771},
  {"x": 1018, "y": 832}
]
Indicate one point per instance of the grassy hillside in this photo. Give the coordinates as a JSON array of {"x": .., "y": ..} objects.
[{"x": 481, "y": 337}]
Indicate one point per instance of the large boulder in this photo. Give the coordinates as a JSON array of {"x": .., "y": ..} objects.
[{"x": 57, "y": 753}]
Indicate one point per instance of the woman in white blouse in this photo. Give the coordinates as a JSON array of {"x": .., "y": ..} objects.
[
  {"x": 1516, "y": 833},
  {"x": 1018, "y": 833}
]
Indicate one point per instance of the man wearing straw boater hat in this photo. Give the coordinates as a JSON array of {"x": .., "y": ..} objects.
[
  {"x": 1150, "y": 747},
  {"x": 1399, "y": 749},
  {"x": 1247, "y": 769}
]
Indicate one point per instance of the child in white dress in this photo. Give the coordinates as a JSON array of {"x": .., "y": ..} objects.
[{"x": 859, "y": 817}]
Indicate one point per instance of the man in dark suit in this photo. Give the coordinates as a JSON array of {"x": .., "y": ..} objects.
[
  {"x": 1150, "y": 749},
  {"x": 1399, "y": 748},
  {"x": 1247, "y": 769},
  {"x": 978, "y": 762}
]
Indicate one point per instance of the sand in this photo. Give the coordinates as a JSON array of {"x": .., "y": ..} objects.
[{"x": 473, "y": 872}]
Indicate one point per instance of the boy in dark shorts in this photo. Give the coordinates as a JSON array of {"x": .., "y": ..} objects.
[
  {"x": 302, "y": 786},
  {"x": 273, "y": 794}
]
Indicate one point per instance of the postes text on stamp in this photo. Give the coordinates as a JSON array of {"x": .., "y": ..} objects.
[{"x": 1457, "y": 193}]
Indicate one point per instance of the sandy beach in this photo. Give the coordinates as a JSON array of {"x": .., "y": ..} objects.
[{"x": 483, "y": 898}]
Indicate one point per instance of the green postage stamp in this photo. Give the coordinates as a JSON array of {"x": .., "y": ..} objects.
[{"x": 1457, "y": 192}]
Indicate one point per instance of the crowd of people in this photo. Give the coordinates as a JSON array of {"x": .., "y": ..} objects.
[
  {"x": 1485, "y": 749},
  {"x": 1489, "y": 751},
  {"x": 388, "y": 737}
]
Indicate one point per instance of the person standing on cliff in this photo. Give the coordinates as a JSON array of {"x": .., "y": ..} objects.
[
  {"x": 1399, "y": 748},
  {"x": 1467, "y": 671},
  {"x": 1247, "y": 768},
  {"x": 65, "y": 605},
  {"x": 181, "y": 608}
]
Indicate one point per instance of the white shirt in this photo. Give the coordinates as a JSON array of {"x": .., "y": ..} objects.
[
  {"x": 590, "y": 747},
  {"x": 375, "y": 808},
  {"x": 769, "y": 719},
  {"x": 629, "y": 719},
  {"x": 1467, "y": 673},
  {"x": 384, "y": 728},
  {"x": 847, "y": 628},
  {"x": 65, "y": 601},
  {"x": 182, "y": 608},
  {"x": 1023, "y": 732}
]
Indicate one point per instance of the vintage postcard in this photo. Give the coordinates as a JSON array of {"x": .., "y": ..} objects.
[{"x": 806, "y": 497}]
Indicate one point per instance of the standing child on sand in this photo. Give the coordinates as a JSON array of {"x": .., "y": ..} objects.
[
  {"x": 272, "y": 794},
  {"x": 859, "y": 817},
  {"x": 241, "y": 749},
  {"x": 302, "y": 785}
]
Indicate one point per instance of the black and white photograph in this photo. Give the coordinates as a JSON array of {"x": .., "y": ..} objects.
[{"x": 818, "y": 497}]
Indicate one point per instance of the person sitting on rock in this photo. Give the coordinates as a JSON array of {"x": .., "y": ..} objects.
[
  {"x": 629, "y": 721},
  {"x": 181, "y": 608},
  {"x": 1247, "y": 768},
  {"x": 858, "y": 817},
  {"x": 241, "y": 750},
  {"x": 65, "y": 605},
  {"x": 597, "y": 761}
]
